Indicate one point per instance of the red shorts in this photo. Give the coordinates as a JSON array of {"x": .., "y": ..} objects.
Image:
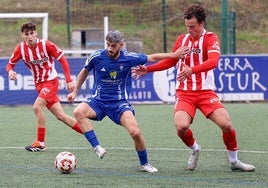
[
  {"x": 49, "y": 91},
  {"x": 206, "y": 101}
]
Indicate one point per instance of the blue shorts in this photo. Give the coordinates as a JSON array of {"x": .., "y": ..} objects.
[{"x": 112, "y": 109}]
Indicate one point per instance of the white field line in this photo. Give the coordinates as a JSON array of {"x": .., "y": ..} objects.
[{"x": 156, "y": 149}]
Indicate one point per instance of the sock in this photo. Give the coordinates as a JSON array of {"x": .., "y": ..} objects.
[
  {"x": 195, "y": 146},
  {"x": 92, "y": 138},
  {"x": 77, "y": 128},
  {"x": 187, "y": 138},
  {"x": 229, "y": 139},
  {"x": 232, "y": 155},
  {"x": 142, "y": 157},
  {"x": 42, "y": 144},
  {"x": 41, "y": 132}
]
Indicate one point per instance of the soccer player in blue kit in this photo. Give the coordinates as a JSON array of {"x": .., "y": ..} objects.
[{"x": 112, "y": 82}]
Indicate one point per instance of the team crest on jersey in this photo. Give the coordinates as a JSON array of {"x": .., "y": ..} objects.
[{"x": 113, "y": 74}]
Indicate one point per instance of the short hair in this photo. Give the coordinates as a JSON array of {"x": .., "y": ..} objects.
[
  {"x": 29, "y": 26},
  {"x": 195, "y": 11},
  {"x": 115, "y": 36}
]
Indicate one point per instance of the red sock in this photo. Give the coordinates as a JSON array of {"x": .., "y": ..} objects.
[
  {"x": 229, "y": 139},
  {"x": 41, "y": 132},
  {"x": 187, "y": 138},
  {"x": 77, "y": 128}
]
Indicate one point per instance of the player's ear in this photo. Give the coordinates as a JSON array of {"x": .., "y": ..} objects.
[
  {"x": 202, "y": 23},
  {"x": 121, "y": 44}
]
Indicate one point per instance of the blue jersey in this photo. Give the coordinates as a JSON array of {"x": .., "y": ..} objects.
[{"x": 112, "y": 78}]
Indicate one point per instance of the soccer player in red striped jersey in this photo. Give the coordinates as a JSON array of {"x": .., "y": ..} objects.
[
  {"x": 38, "y": 56},
  {"x": 195, "y": 86}
]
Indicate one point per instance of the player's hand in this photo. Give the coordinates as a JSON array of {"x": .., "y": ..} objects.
[
  {"x": 137, "y": 72},
  {"x": 182, "y": 51},
  {"x": 70, "y": 86},
  {"x": 185, "y": 73},
  {"x": 71, "y": 96},
  {"x": 12, "y": 75}
]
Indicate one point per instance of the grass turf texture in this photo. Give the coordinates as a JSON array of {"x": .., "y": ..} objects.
[{"x": 19, "y": 168}]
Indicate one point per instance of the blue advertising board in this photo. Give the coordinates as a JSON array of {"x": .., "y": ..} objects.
[
  {"x": 237, "y": 78},
  {"x": 241, "y": 77}
]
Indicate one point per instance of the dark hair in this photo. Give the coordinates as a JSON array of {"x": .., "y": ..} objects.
[
  {"x": 30, "y": 26},
  {"x": 195, "y": 11}
]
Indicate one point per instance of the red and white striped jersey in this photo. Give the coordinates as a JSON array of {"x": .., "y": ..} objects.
[
  {"x": 207, "y": 45},
  {"x": 38, "y": 59}
]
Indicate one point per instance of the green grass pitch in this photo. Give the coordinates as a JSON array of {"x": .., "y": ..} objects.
[{"x": 19, "y": 168}]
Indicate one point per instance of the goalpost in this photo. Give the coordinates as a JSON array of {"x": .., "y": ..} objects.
[
  {"x": 44, "y": 16},
  {"x": 10, "y": 24}
]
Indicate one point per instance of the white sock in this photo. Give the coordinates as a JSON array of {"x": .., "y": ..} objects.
[
  {"x": 195, "y": 146},
  {"x": 42, "y": 143},
  {"x": 232, "y": 155}
]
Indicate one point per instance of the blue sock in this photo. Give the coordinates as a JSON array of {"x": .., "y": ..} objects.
[
  {"x": 142, "y": 157},
  {"x": 92, "y": 138}
]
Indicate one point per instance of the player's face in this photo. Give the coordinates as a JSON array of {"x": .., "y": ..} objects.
[
  {"x": 114, "y": 49},
  {"x": 194, "y": 28},
  {"x": 29, "y": 37}
]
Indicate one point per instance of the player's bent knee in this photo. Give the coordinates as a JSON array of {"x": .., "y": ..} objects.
[
  {"x": 37, "y": 109},
  {"x": 135, "y": 134},
  {"x": 78, "y": 113}
]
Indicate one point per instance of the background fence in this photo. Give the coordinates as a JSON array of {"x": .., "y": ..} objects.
[
  {"x": 78, "y": 24},
  {"x": 140, "y": 20}
]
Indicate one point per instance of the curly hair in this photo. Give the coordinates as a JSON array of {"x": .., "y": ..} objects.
[
  {"x": 29, "y": 26},
  {"x": 195, "y": 11}
]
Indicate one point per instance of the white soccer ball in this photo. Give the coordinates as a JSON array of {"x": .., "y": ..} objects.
[{"x": 65, "y": 162}]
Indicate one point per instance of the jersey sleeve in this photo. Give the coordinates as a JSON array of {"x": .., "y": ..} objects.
[
  {"x": 54, "y": 50},
  {"x": 90, "y": 61},
  {"x": 15, "y": 57},
  {"x": 134, "y": 58},
  {"x": 178, "y": 43},
  {"x": 141, "y": 60},
  {"x": 66, "y": 69}
]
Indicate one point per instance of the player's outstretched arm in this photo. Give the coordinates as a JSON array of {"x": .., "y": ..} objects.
[
  {"x": 179, "y": 53},
  {"x": 80, "y": 80}
]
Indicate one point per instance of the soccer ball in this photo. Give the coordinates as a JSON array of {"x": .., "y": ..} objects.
[{"x": 65, "y": 162}]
